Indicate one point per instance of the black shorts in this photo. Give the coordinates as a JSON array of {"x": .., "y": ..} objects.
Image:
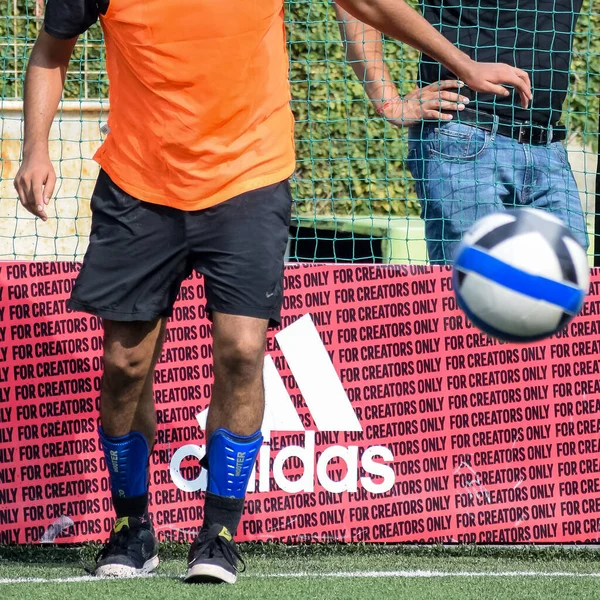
[{"x": 139, "y": 254}]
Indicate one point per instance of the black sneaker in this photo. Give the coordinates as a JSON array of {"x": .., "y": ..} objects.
[
  {"x": 131, "y": 550},
  {"x": 214, "y": 557}
]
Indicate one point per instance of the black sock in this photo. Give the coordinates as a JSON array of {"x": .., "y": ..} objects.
[
  {"x": 222, "y": 510},
  {"x": 131, "y": 507}
]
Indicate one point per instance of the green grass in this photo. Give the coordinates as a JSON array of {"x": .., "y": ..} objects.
[{"x": 312, "y": 567}]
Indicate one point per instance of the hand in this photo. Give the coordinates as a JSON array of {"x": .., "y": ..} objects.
[
  {"x": 491, "y": 77},
  {"x": 426, "y": 103},
  {"x": 35, "y": 183}
]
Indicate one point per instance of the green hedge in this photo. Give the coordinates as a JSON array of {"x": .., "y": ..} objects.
[{"x": 349, "y": 160}]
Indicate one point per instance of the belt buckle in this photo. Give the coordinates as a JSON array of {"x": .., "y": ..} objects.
[
  {"x": 542, "y": 137},
  {"x": 523, "y": 138},
  {"x": 529, "y": 134}
]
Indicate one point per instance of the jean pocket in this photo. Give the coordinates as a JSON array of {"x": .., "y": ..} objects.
[{"x": 458, "y": 142}]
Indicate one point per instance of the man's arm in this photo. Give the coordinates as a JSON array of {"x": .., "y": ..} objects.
[
  {"x": 44, "y": 84},
  {"x": 398, "y": 20},
  {"x": 364, "y": 52},
  {"x": 46, "y": 72}
]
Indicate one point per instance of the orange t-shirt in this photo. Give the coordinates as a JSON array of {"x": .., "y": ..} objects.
[{"x": 199, "y": 99}]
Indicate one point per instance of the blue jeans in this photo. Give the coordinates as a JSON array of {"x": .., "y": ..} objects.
[{"x": 464, "y": 173}]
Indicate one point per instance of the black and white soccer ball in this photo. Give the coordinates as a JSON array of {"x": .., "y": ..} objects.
[{"x": 520, "y": 275}]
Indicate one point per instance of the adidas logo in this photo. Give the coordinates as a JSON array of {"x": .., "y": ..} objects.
[{"x": 331, "y": 411}]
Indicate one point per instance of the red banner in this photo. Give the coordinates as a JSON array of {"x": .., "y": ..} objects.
[{"x": 389, "y": 418}]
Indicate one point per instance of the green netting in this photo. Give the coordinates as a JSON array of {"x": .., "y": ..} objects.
[{"x": 355, "y": 199}]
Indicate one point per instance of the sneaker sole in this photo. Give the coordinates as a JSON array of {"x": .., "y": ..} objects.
[
  {"x": 124, "y": 572},
  {"x": 209, "y": 574}
]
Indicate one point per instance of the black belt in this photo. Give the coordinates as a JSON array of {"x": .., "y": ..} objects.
[{"x": 524, "y": 133}]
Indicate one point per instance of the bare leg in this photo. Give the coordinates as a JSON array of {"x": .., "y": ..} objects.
[
  {"x": 130, "y": 353},
  {"x": 238, "y": 400}
]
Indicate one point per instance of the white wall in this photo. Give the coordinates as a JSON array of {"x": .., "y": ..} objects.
[{"x": 74, "y": 137}]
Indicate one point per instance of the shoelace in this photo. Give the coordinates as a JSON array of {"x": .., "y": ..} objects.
[{"x": 216, "y": 545}]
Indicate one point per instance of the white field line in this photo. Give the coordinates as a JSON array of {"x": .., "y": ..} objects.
[
  {"x": 8, "y": 580},
  {"x": 431, "y": 574},
  {"x": 336, "y": 575}
]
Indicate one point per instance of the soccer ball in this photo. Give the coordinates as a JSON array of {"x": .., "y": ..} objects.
[{"x": 520, "y": 275}]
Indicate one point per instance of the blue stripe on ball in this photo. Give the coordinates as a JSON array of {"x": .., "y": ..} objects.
[
  {"x": 502, "y": 335},
  {"x": 475, "y": 260}
]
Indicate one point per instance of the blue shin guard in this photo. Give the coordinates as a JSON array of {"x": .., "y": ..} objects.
[
  {"x": 230, "y": 460},
  {"x": 127, "y": 462}
]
